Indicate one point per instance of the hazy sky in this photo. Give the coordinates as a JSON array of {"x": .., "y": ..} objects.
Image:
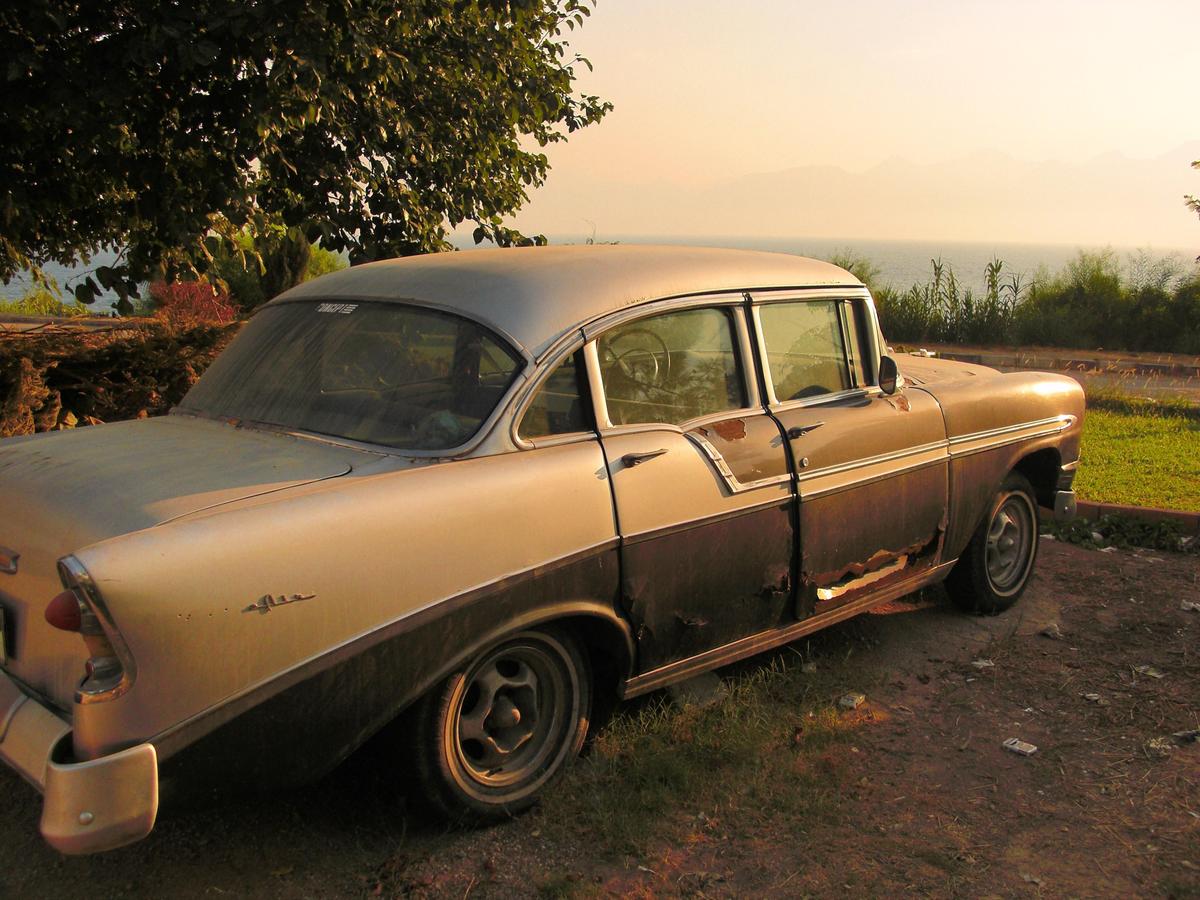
[{"x": 706, "y": 92}]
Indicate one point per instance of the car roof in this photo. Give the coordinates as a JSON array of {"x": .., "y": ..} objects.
[{"x": 533, "y": 295}]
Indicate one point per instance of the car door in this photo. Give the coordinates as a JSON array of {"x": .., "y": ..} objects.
[
  {"x": 699, "y": 475},
  {"x": 871, "y": 469}
]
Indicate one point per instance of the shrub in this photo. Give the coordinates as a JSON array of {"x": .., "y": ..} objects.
[
  {"x": 1094, "y": 302},
  {"x": 258, "y": 266},
  {"x": 64, "y": 378},
  {"x": 187, "y": 304},
  {"x": 41, "y": 301}
]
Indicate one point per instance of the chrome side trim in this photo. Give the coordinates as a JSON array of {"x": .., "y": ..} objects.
[
  {"x": 722, "y": 467},
  {"x": 978, "y": 441},
  {"x": 766, "y": 640},
  {"x": 932, "y": 454},
  {"x": 75, "y": 577}
]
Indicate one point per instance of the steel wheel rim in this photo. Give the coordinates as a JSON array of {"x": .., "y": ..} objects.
[
  {"x": 512, "y": 715},
  {"x": 1010, "y": 536}
]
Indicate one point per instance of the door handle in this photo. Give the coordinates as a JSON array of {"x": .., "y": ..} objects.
[
  {"x": 797, "y": 431},
  {"x": 629, "y": 460}
]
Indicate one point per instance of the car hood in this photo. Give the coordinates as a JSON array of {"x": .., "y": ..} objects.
[
  {"x": 93, "y": 483},
  {"x": 931, "y": 370}
]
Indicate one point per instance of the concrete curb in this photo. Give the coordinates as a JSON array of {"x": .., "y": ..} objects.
[
  {"x": 1071, "y": 364},
  {"x": 1188, "y": 521}
]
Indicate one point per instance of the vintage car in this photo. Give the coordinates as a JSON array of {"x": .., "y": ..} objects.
[{"x": 482, "y": 495}]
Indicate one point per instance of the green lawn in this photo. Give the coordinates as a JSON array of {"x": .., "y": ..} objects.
[{"x": 1140, "y": 458}]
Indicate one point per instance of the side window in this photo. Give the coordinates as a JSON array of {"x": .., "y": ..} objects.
[
  {"x": 806, "y": 353},
  {"x": 855, "y": 340},
  {"x": 560, "y": 404},
  {"x": 671, "y": 368}
]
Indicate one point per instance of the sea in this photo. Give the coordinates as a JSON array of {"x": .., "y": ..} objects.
[{"x": 901, "y": 263}]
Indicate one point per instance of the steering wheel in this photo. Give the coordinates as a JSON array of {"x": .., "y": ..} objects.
[{"x": 647, "y": 366}]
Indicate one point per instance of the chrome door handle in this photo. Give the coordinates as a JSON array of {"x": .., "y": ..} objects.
[
  {"x": 629, "y": 460},
  {"x": 797, "y": 431}
]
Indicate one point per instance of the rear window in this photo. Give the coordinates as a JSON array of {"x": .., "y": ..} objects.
[{"x": 383, "y": 373}]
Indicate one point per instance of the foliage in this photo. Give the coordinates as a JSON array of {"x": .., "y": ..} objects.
[
  {"x": 1146, "y": 304},
  {"x": 1112, "y": 530},
  {"x": 187, "y": 304},
  {"x": 39, "y": 300},
  {"x": 1193, "y": 203},
  {"x": 371, "y": 126},
  {"x": 50, "y": 380},
  {"x": 942, "y": 309},
  {"x": 256, "y": 267},
  {"x": 858, "y": 265}
]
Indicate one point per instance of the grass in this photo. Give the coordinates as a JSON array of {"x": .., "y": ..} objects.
[
  {"x": 1140, "y": 456},
  {"x": 658, "y": 771}
]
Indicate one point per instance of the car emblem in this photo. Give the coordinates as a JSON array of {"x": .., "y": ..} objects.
[
  {"x": 267, "y": 602},
  {"x": 8, "y": 561}
]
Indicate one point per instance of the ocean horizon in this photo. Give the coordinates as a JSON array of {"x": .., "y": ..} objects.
[{"x": 902, "y": 263}]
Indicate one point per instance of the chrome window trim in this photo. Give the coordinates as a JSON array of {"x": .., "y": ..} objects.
[
  {"x": 75, "y": 577},
  {"x": 731, "y": 481},
  {"x": 825, "y": 399},
  {"x": 596, "y": 327}
]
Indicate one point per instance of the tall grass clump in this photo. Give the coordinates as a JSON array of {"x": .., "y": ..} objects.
[{"x": 942, "y": 309}]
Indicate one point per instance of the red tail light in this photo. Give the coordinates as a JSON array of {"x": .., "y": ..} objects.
[{"x": 64, "y": 612}]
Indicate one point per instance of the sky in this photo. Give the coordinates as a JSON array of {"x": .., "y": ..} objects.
[{"x": 1087, "y": 110}]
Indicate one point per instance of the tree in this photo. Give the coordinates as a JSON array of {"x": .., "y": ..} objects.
[
  {"x": 370, "y": 125},
  {"x": 1193, "y": 203}
]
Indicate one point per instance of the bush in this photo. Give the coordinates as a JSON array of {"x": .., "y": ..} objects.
[
  {"x": 41, "y": 301},
  {"x": 187, "y": 304},
  {"x": 1095, "y": 302},
  {"x": 258, "y": 267},
  {"x": 51, "y": 380}
]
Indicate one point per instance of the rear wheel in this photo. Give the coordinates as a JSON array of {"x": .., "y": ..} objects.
[
  {"x": 994, "y": 570},
  {"x": 498, "y": 732}
]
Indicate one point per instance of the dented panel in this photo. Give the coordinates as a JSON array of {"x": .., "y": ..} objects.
[
  {"x": 873, "y": 484},
  {"x": 720, "y": 492}
]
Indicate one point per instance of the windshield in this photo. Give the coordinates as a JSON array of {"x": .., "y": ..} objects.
[{"x": 383, "y": 373}]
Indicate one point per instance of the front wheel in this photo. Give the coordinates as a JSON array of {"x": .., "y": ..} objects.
[
  {"x": 498, "y": 732},
  {"x": 994, "y": 570}
]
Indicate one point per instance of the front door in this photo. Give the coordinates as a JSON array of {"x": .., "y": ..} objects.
[
  {"x": 871, "y": 469},
  {"x": 700, "y": 480}
]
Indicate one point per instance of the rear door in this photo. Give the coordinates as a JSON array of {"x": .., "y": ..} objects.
[
  {"x": 700, "y": 479},
  {"x": 871, "y": 469}
]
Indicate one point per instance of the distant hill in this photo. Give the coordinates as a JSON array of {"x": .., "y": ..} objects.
[{"x": 986, "y": 196}]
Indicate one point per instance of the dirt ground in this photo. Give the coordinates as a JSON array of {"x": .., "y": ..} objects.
[{"x": 925, "y": 799}]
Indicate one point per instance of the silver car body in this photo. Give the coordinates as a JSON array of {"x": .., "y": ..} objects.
[{"x": 265, "y": 588}]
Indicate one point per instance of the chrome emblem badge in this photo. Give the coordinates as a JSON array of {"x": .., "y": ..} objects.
[{"x": 267, "y": 602}]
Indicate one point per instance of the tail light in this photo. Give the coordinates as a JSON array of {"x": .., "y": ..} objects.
[{"x": 109, "y": 670}]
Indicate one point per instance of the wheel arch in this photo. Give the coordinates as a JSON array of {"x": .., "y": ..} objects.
[{"x": 1042, "y": 468}]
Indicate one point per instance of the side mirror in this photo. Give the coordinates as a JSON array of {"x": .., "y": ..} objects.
[{"x": 889, "y": 375}]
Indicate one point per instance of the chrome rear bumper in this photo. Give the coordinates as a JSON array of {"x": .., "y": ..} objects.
[{"x": 88, "y": 806}]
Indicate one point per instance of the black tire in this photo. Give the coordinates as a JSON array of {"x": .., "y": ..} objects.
[
  {"x": 493, "y": 736},
  {"x": 994, "y": 570}
]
